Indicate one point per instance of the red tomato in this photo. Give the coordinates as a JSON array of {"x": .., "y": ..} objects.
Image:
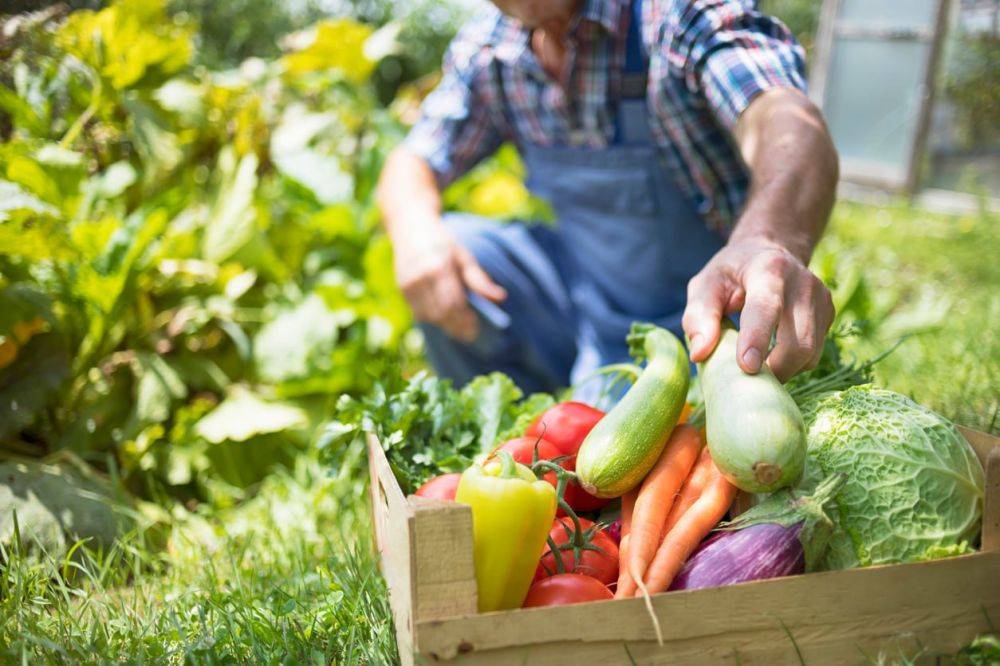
[
  {"x": 441, "y": 487},
  {"x": 565, "y": 424},
  {"x": 577, "y": 497},
  {"x": 566, "y": 589},
  {"x": 522, "y": 449},
  {"x": 601, "y": 565}
]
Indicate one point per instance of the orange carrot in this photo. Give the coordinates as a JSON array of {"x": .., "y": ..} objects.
[
  {"x": 693, "y": 487},
  {"x": 693, "y": 526},
  {"x": 628, "y": 503},
  {"x": 655, "y": 499}
]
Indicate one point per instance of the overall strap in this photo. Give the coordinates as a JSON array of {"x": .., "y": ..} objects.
[
  {"x": 636, "y": 71},
  {"x": 502, "y": 99}
]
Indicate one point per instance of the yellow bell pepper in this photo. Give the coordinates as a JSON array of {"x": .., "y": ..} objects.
[{"x": 512, "y": 513}]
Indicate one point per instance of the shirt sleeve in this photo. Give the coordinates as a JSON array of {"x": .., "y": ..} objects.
[
  {"x": 730, "y": 53},
  {"x": 457, "y": 128}
]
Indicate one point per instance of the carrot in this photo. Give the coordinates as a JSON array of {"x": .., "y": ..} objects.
[
  {"x": 693, "y": 487},
  {"x": 655, "y": 499},
  {"x": 628, "y": 503},
  {"x": 693, "y": 526}
]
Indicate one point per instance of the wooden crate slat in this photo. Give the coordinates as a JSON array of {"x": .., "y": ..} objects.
[{"x": 951, "y": 593}]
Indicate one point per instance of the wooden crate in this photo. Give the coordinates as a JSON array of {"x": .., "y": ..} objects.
[{"x": 836, "y": 617}]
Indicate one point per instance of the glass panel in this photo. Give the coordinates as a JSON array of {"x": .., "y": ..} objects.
[
  {"x": 873, "y": 100},
  {"x": 898, "y": 14}
]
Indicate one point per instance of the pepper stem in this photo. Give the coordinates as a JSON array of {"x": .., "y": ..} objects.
[{"x": 507, "y": 465}]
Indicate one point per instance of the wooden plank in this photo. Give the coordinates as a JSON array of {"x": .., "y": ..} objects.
[
  {"x": 905, "y": 634},
  {"x": 991, "y": 506},
  {"x": 982, "y": 443},
  {"x": 866, "y": 606},
  {"x": 392, "y": 521},
  {"x": 445, "y": 581}
]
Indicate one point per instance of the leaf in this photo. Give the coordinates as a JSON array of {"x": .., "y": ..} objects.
[
  {"x": 28, "y": 384},
  {"x": 339, "y": 45},
  {"x": 157, "y": 389},
  {"x": 22, "y": 302},
  {"x": 491, "y": 396},
  {"x": 295, "y": 153},
  {"x": 157, "y": 146},
  {"x": 59, "y": 503},
  {"x": 131, "y": 43},
  {"x": 15, "y": 198},
  {"x": 117, "y": 178},
  {"x": 244, "y": 415},
  {"x": 231, "y": 224},
  {"x": 299, "y": 342}
]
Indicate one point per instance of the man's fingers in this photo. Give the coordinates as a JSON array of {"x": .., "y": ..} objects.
[
  {"x": 802, "y": 328},
  {"x": 476, "y": 279},
  {"x": 763, "y": 308},
  {"x": 708, "y": 298},
  {"x": 795, "y": 343},
  {"x": 455, "y": 315}
]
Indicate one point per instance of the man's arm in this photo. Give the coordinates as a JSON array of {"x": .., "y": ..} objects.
[
  {"x": 432, "y": 270},
  {"x": 762, "y": 271},
  {"x": 454, "y": 132}
]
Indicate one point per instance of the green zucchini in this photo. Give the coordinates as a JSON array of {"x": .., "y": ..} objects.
[
  {"x": 626, "y": 443},
  {"x": 755, "y": 431}
]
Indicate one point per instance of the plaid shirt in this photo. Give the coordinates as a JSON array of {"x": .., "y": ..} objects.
[{"x": 707, "y": 60}]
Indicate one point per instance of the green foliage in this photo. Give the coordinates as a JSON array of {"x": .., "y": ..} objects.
[
  {"x": 199, "y": 249},
  {"x": 900, "y": 273},
  {"x": 801, "y": 17},
  {"x": 972, "y": 84},
  {"x": 425, "y": 426}
]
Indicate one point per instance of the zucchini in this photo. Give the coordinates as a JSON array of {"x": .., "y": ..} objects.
[
  {"x": 755, "y": 431},
  {"x": 626, "y": 443}
]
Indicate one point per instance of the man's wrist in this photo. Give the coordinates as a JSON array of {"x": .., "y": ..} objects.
[
  {"x": 413, "y": 224},
  {"x": 797, "y": 244}
]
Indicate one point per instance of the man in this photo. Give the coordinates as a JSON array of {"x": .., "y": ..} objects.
[{"x": 690, "y": 176}]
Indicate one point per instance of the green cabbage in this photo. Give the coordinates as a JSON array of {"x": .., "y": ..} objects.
[{"x": 915, "y": 486}]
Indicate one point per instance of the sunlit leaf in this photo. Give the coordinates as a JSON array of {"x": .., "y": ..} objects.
[
  {"x": 294, "y": 152},
  {"x": 244, "y": 415},
  {"x": 231, "y": 224},
  {"x": 300, "y": 341},
  {"x": 13, "y": 198},
  {"x": 129, "y": 43},
  {"x": 337, "y": 45}
]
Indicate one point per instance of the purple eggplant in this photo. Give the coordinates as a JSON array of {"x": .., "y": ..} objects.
[
  {"x": 765, "y": 550},
  {"x": 784, "y": 535}
]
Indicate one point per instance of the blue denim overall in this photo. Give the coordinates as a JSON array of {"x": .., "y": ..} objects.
[{"x": 625, "y": 244}]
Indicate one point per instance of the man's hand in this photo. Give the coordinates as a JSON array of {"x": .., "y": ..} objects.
[
  {"x": 762, "y": 272},
  {"x": 773, "y": 289},
  {"x": 433, "y": 272}
]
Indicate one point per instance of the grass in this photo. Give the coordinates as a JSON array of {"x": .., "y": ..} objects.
[
  {"x": 289, "y": 576},
  {"x": 932, "y": 279},
  {"x": 284, "y": 578}
]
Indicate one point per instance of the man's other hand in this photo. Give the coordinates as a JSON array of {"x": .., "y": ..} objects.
[{"x": 434, "y": 272}]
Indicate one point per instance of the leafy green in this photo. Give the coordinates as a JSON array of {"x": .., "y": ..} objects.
[
  {"x": 175, "y": 232},
  {"x": 427, "y": 427},
  {"x": 914, "y": 486}
]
